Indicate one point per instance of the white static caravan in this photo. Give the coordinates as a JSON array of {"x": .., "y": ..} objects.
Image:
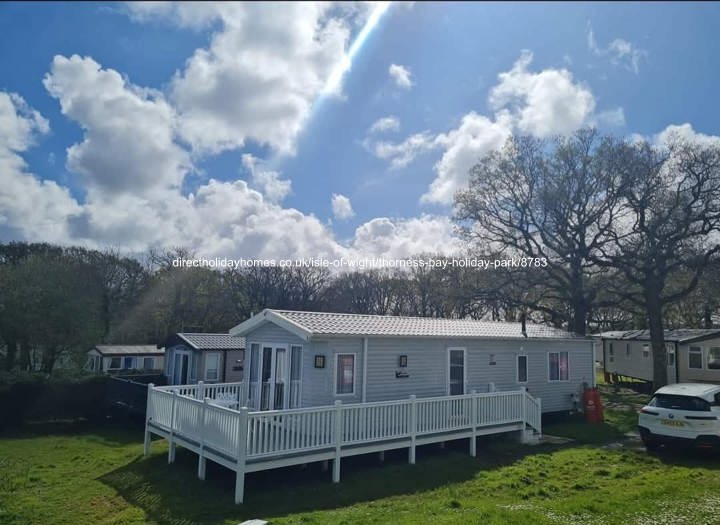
[
  {"x": 211, "y": 358},
  {"x": 309, "y": 359},
  {"x": 125, "y": 359},
  {"x": 693, "y": 355}
]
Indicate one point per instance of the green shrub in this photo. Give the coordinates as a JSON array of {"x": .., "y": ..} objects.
[{"x": 34, "y": 397}]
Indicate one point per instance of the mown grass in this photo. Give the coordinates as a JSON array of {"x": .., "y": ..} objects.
[{"x": 79, "y": 474}]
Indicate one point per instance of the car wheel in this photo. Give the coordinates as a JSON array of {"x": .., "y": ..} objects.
[{"x": 651, "y": 445}]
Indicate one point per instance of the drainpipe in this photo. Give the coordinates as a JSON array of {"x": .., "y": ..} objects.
[
  {"x": 224, "y": 365},
  {"x": 364, "y": 378},
  {"x": 677, "y": 368}
]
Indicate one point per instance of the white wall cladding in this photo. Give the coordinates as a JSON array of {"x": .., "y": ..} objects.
[{"x": 427, "y": 366}]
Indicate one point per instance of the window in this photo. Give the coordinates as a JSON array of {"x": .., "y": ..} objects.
[
  {"x": 713, "y": 358},
  {"x": 628, "y": 352},
  {"x": 693, "y": 404},
  {"x": 345, "y": 374},
  {"x": 128, "y": 362},
  {"x": 148, "y": 363},
  {"x": 522, "y": 369},
  {"x": 695, "y": 357},
  {"x": 646, "y": 351},
  {"x": 611, "y": 352},
  {"x": 212, "y": 365},
  {"x": 558, "y": 366},
  {"x": 671, "y": 357}
]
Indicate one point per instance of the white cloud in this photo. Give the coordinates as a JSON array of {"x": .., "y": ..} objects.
[
  {"x": 544, "y": 103},
  {"x": 541, "y": 104},
  {"x": 403, "y": 153},
  {"x": 267, "y": 181},
  {"x": 401, "y": 76},
  {"x": 390, "y": 123},
  {"x": 341, "y": 207},
  {"x": 464, "y": 146},
  {"x": 29, "y": 207},
  {"x": 619, "y": 51},
  {"x": 686, "y": 133},
  {"x": 128, "y": 143},
  {"x": 261, "y": 72},
  {"x": 389, "y": 238},
  {"x": 612, "y": 117}
]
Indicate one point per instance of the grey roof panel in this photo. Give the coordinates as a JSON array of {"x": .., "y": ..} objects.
[
  {"x": 680, "y": 335},
  {"x": 213, "y": 341},
  {"x": 129, "y": 349},
  {"x": 323, "y": 323}
]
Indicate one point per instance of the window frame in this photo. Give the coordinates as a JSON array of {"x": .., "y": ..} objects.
[
  {"x": 699, "y": 351},
  {"x": 559, "y": 379},
  {"x": 707, "y": 359},
  {"x": 517, "y": 369},
  {"x": 118, "y": 367},
  {"x": 337, "y": 369},
  {"x": 152, "y": 363},
  {"x": 646, "y": 351},
  {"x": 206, "y": 369},
  {"x": 131, "y": 360},
  {"x": 628, "y": 352}
]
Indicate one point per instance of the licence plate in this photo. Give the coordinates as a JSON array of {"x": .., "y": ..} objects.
[{"x": 672, "y": 423}]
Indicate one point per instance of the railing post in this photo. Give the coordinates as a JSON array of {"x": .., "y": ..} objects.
[
  {"x": 202, "y": 462},
  {"x": 413, "y": 429},
  {"x": 524, "y": 400},
  {"x": 338, "y": 441},
  {"x": 242, "y": 455},
  {"x": 473, "y": 422},
  {"x": 200, "y": 392},
  {"x": 171, "y": 439},
  {"x": 539, "y": 416},
  {"x": 148, "y": 417}
]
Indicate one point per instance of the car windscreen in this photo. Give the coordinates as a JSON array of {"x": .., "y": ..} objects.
[{"x": 693, "y": 404}]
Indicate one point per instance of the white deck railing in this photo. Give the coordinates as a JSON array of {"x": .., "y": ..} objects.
[{"x": 248, "y": 441}]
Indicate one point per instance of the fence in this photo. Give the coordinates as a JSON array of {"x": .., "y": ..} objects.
[{"x": 194, "y": 417}]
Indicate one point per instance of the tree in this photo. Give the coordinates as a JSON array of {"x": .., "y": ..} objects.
[
  {"x": 553, "y": 201},
  {"x": 666, "y": 233}
]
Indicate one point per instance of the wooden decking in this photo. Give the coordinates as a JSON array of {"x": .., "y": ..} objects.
[{"x": 247, "y": 441}]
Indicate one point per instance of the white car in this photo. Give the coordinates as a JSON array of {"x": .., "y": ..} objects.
[{"x": 683, "y": 413}]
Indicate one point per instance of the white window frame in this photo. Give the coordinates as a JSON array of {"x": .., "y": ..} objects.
[
  {"x": 152, "y": 363},
  {"x": 465, "y": 367},
  {"x": 205, "y": 366},
  {"x": 517, "y": 369},
  {"x": 133, "y": 362},
  {"x": 110, "y": 365},
  {"x": 335, "y": 374},
  {"x": 702, "y": 361},
  {"x": 300, "y": 374},
  {"x": 646, "y": 353},
  {"x": 707, "y": 358},
  {"x": 611, "y": 353},
  {"x": 568, "y": 366}
]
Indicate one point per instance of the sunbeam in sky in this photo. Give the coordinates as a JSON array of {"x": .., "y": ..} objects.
[{"x": 333, "y": 83}]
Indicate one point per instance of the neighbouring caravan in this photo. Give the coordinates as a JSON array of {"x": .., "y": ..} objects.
[{"x": 693, "y": 355}]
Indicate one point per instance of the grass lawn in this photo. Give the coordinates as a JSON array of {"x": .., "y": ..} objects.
[{"x": 79, "y": 473}]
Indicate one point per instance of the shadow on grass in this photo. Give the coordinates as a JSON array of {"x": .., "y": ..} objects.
[{"x": 172, "y": 493}]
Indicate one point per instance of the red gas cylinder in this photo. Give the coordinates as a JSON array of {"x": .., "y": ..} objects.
[
  {"x": 599, "y": 406},
  {"x": 592, "y": 405}
]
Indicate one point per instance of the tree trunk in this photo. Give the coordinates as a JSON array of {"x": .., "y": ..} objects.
[
  {"x": 11, "y": 355},
  {"x": 657, "y": 336}
]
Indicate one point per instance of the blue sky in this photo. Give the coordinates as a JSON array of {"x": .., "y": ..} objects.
[{"x": 138, "y": 126}]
